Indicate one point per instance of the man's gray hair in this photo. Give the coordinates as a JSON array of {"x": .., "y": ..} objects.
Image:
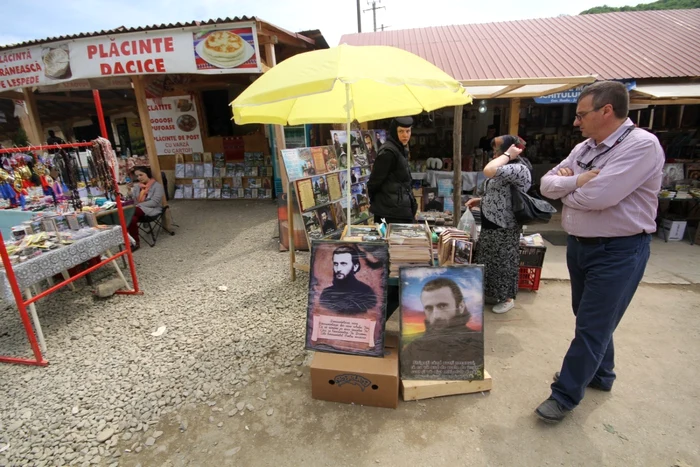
[{"x": 608, "y": 92}]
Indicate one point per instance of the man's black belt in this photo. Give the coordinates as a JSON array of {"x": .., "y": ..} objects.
[{"x": 601, "y": 240}]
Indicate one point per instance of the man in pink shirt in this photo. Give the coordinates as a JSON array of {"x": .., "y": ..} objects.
[{"x": 609, "y": 185}]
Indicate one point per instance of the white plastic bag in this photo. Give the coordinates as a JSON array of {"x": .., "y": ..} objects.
[{"x": 468, "y": 224}]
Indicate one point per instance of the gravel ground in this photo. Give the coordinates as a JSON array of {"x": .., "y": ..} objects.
[
  {"x": 227, "y": 382},
  {"x": 221, "y": 289}
]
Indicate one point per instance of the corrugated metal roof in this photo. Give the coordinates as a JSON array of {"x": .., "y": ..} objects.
[
  {"x": 155, "y": 27},
  {"x": 624, "y": 45}
]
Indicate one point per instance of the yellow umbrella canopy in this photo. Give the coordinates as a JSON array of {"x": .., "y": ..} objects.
[{"x": 377, "y": 82}]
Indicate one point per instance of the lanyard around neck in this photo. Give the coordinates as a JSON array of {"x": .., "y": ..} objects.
[{"x": 589, "y": 165}]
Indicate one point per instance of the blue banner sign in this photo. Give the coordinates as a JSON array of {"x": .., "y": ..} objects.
[{"x": 571, "y": 96}]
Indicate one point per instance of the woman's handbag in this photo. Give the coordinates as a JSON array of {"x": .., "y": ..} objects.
[{"x": 530, "y": 209}]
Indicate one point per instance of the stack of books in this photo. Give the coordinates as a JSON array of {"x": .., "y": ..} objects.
[
  {"x": 455, "y": 246},
  {"x": 409, "y": 245}
]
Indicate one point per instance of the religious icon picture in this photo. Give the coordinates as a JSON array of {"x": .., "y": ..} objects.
[
  {"x": 431, "y": 200},
  {"x": 312, "y": 225},
  {"x": 442, "y": 323},
  {"x": 326, "y": 221},
  {"x": 320, "y": 187},
  {"x": 347, "y": 297}
]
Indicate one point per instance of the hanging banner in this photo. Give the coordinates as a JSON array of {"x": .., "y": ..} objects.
[
  {"x": 571, "y": 96},
  {"x": 175, "y": 125},
  {"x": 217, "y": 49}
]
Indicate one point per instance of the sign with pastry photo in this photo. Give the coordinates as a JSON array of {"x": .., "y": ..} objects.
[
  {"x": 175, "y": 125},
  {"x": 226, "y": 49}
]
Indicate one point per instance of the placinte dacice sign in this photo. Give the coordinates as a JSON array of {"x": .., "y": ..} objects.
[
  {"x": 217, "y": 49},
  {"x": 571, "y": 96}
]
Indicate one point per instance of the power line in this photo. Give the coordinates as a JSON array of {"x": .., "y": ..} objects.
[{"x": 374, "y": 11}]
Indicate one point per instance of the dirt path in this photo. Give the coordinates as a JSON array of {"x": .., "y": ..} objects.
[{"x": 650, "y": 418}]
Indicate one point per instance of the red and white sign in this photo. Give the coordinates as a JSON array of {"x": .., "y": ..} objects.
[
  {"x": 175, "y": 125},
  {"x": 220, "y": 49}
]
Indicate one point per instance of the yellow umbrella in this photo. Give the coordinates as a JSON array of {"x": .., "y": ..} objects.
[{"x": 347, "y": 83}]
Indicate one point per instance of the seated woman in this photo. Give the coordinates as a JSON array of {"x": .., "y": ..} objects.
[{"x": 148, "y": 196}]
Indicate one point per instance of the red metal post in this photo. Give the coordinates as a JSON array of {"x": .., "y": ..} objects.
[
  {"x": 21, "y": 305},
  {"x": 100, "y": 113},
  {"x": 120, "y": 209}
]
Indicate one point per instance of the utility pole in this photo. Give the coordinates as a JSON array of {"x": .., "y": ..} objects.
[
  {"x": 374, "y": 11},
  {"x": 382, "y": 27},
  {"x": 359, "y": 17}
]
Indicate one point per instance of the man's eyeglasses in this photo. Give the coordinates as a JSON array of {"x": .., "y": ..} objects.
[{"x": 580, "y": 116}]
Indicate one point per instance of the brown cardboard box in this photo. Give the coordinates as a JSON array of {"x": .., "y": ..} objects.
[{"x": 358, "y": 380}]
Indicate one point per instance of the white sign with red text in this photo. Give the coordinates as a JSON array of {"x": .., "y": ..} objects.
[
  {"x": 175, "y": 125},
  {"x": 228, "y": 48}
]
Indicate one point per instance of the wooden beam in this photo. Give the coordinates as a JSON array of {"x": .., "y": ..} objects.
[
  {"x": 527, "y": 81},
  {"x": 144, "y": 117},
  {"x": 457, "y": 165},
  {"x": 505, "y": 90},
  {"x": 414, "y": 390},
  {"x": 270, "y": 56},
  {"x": 32, "y": 124},
  {"x": 12, "y": 95},
  {"x": 76, "y": 99},
  {"x": 288, "y": 38},
  {"x": 686, "y": 101},
  {"x": 265, "y": 40},
  {"x": 514, "y": 117}
]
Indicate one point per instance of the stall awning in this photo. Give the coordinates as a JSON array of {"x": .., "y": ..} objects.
[
  {"x": 678, "y": 93},
  {"x": 522, "y": 87}
]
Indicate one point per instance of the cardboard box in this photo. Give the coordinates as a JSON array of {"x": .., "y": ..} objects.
[
  {"x": 673, "y": 230},
  {"x": 358, "y": 380}
]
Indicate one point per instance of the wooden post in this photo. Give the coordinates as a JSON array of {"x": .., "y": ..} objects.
[
  {"x": 680, "y": 116},
  {"x": 35, "y": 133},
  {"x": 142, "y": 105},
  {"x": 651, "y": 118},
  {"x": 290, "y": 231},
  {"x": 457, "y": 166},
  {"x": 663, "y": 118},
  {"x": 514, "y": 116}
]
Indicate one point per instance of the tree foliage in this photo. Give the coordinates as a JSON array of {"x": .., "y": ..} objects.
[{"x": 658, "y": 5}]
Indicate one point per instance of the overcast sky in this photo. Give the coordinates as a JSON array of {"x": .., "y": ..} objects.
[{"x": 38, "y": 19}]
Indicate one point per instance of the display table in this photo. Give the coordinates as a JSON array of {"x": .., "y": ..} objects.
[
  {"x": 432, "y": 176},
  {"x": 111, "y": 217},
  {"x": 47, "y": 265},
  {"x": 690, "y": 208}
]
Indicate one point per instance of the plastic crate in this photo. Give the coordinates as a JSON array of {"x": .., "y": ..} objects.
[
  {"x": 529, "y": 278},
  {"x": 532, "y": 256}
]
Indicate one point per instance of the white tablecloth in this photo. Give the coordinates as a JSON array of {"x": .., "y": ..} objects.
[
  {"x": 61, "y": 259},
  {"x": 432, "y": 176}
]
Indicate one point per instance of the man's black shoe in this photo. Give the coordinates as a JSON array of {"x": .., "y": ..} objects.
[
  {"x": 551, "y": 411},
  {"x": 593, "y": 384}
]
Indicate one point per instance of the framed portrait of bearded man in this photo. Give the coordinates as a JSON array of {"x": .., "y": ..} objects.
[{"x": 347, "y": 297}]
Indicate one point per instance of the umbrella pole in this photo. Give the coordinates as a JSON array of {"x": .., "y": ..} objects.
[{"x": 348, "y": 160}]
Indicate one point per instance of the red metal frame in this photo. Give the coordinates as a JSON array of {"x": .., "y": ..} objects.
[
  {"x": 45, "y": 146},
  {"x": 19, "y": 299}
]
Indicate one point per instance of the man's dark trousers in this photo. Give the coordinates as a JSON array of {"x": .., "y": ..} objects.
[{"x": 604, "y": 278}]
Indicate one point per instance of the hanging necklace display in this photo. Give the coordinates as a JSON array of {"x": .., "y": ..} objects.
[
  {"x": 104, "y": 160},
  {"x": 67, "y": 169}
]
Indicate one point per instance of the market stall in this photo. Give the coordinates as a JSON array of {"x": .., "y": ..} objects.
[{"x": 58, "y": 239}]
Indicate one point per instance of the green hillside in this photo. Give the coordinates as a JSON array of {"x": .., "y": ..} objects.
[{"x": 658, "y": 5}]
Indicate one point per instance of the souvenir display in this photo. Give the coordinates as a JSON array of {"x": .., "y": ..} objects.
[{"x": 249, "y": 178}]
